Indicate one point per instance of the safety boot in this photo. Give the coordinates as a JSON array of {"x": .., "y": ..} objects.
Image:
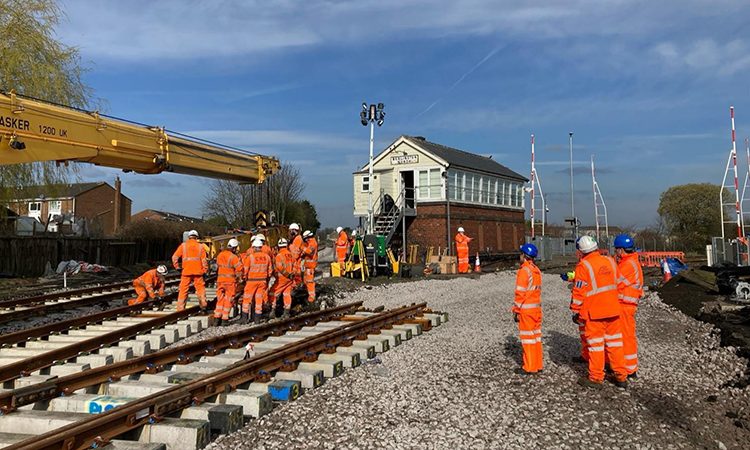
[
  {"x": 285, "y": 315},
  {"x": 586, "y": 382},
  {"x": 257, "y": 319},
  {"x": 212, "y": 321},
  {"x": 272, "y": 314},
  {"x": 244, "y": 318},
  {"x": 633, "y": 376},
  {"x": 621, "y": 384}
]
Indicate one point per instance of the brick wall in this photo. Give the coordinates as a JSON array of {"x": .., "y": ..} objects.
[
  {"x": 97, "y": 206},
  {"x": 493, "y": 229}
]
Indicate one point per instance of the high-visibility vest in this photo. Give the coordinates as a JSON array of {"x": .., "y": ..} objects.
[
  {"x": 258, "y": 266},
  {"x": 194, "y": 258},
  {"x": 630, "y": 284},
  {"x": 151, "y": 281},
  {"x": 594, "y": 293},
  {"x": 342, "y": 242},
  {"x": 295, "y": 248},
  {"x": 528, "y": 289},
  {"x": 310, "y": 253},
  {"x": 284, "y": 266},
  {"x": 229, "y": 267}
]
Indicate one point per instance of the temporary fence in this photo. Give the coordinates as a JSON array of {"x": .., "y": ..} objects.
[{"x": 654, "y": 259}]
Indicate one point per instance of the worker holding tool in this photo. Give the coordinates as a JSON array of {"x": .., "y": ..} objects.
[
  {"x": 285, "y": 274},
  {"x": 594, "y": 301},
  {"x": 147, "y": 284},
  {"x": 342, "y": 247},
  {"x": 629, "y": 292},
  {"x": 310, "y": 258},
  {"x": 462, "y": 250},
  {"x": 258, "y": 270},
  {"x": 527, "y": 310},
  {"x": 194, "y": 266},
  {"x": 229, "y": 275}
]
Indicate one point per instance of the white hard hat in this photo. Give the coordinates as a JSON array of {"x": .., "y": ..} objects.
[
  {"x": 294, "y": 226},
  {"x": 354, "y": 233},
  {"x": 587, "y": 244},
  {"x": 339, "y": 230},
  {"x": 282, "y": 242},
  {"x": 460, "y": 229},
  {"x": 307, "y": 234},
  {"x": 257, "y": 242},
  {"x": 233, "y": 243},
  {"x": 192, "y": 233},
  {"x": 162, "y": 269},
  {"x": 260, "y": 236}
]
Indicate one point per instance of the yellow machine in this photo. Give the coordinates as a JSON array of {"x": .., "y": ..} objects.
[
  {"x": 33, "y": 130},
  {"x": 215, "y": 244}
]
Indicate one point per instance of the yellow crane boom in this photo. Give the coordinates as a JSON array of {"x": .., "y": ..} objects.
[{"x": 33, "y": 130}]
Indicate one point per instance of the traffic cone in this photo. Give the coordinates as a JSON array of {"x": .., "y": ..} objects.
[
  {"x": 477, "y": 267},
  {"x": 665, "y": 270}
]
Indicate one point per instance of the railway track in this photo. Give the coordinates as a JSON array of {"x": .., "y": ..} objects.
[
  {"x": 40, "y": 305},
  {"x": 221, "y": 379}
]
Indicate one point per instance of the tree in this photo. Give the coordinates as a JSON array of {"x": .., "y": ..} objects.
[
  {"x": 690, "y": 213},
  {"x": 238, "y": 203},
  {"x": 304, "y": 213},
  {"x": 35, "y": 64}
]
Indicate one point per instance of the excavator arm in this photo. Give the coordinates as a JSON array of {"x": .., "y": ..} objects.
[{"x": 33, "y": 130}]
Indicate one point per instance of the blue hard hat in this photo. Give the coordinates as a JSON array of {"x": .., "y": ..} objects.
[
  {"x": 529, "y": 250},
  {"x": 624, "y": 241}
]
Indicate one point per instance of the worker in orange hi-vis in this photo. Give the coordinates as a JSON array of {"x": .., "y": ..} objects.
[
  {"x": 258, "y": 270},
  {"x": 194, "y": 266},
  {"x": 266, "y": 248},
  {"x": 629, "y": 291},
  {"x": 285, "y": 274},
  {"x": 310, "y": 259},
  {"x": 342, "y": 247},
  {"x": 527, "y": 310},
  {"x": 147, "y": 285},
  {"x": 295, "y": 248},
  {"x": 462, "y": 250},
  {"x": 594, "y": 301},
  {"x": 230, "y": 272}
]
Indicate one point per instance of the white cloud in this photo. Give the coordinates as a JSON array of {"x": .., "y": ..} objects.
[{"x": 706, "y": 56}]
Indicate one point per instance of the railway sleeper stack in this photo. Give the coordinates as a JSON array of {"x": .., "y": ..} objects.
[{"x": 226, "y": 412}]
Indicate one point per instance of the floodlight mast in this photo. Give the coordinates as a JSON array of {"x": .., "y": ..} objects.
[
  {"x": 535, "y": 183},
  {"x": 371, "y": 114}
]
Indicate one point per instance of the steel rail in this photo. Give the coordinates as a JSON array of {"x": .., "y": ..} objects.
[
  {"x": 36, "y": 299},
  {"x": 26, "y": 366},
  {"x": 99, "y": 429},
  {"x": 155, "y": 362}
]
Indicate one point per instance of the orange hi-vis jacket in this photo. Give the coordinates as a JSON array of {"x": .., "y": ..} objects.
[
  {"x": 267, "y": 250},
  {"x": 594, "y": 293},
  {"x": 151, "y": 280},
  {"x": 310, "y": 253},
  {"x": 258, "y": 267},
  {"x": 284, "y": 266},
  {"x": 528, "y": 289},
  {"x": 295, "y": 248},
  {"x": 462, "y": 240},
  {"x": 630, "y": 284},
  {"x": 342, "y": 243},
  {"x": 230, "y": 267},
  {"x": 194, "y": 258}
]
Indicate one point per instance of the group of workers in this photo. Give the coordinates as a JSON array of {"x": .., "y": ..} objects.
[
  {"x": 604, "y": 300},
  {"x": 250, "y": 273}
]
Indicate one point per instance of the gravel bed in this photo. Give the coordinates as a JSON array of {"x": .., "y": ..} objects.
[{"x": 454, "y": 387}]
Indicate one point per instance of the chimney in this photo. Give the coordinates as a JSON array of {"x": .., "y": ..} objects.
[{"x": 117, "y": 205}]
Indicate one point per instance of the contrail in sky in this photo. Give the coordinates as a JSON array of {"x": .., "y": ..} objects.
[{"x": 462, "y": 78}]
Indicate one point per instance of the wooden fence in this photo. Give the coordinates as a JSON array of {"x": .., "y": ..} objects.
[{"x": 28, "y": 256}]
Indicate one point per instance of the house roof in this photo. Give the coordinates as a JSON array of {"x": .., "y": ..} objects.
[
  {"x": 170, "y": 216},
  {"x": 464, "y": 159},
  {"x": 54, "y": 191}
]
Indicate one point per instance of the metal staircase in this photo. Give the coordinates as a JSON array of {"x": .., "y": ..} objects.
[{"x": 389, "y": 213}]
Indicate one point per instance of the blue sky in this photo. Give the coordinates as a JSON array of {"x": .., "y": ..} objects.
[{"x": 645, "y": 86}]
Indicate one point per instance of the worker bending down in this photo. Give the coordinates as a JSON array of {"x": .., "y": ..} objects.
[
  {"x": 462, "y": 250},
  {"x": 258, "y": 270},
  {"x": 629, "y": 292},
  {"x": 147, "y": 284},
  {"x": 229, "y": 275},
  {"x": 194, "y": 262},
  {"x": 310, "y": 259},
  {"x": 285, "y": 274},
  {"x": 527, "y": 310},
  {"x": 594, "y": 301}
]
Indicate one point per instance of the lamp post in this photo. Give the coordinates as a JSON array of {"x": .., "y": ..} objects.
[{"x": 371, "y": 114}]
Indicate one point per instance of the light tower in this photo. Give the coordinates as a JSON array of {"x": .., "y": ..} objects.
[
  {"x": 371, "y": 114},
  {"x": 534, "y": 184}
]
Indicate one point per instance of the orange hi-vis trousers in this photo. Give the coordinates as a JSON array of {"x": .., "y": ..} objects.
[
  {"x": 582, "y": 332},
  {"x": 530, "y": 331},
  {"x": 224, "y": 299},
  {"x": 141, "y": 294},
  {"x": 200, "y": 290},
  {"x": 629, "y": 338},
  {"x": 309, "y": 279},
  {"x": 284, "y": 288},
  {"x": 255, "y": 291},
  {"x": 605, "y": 336}
]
